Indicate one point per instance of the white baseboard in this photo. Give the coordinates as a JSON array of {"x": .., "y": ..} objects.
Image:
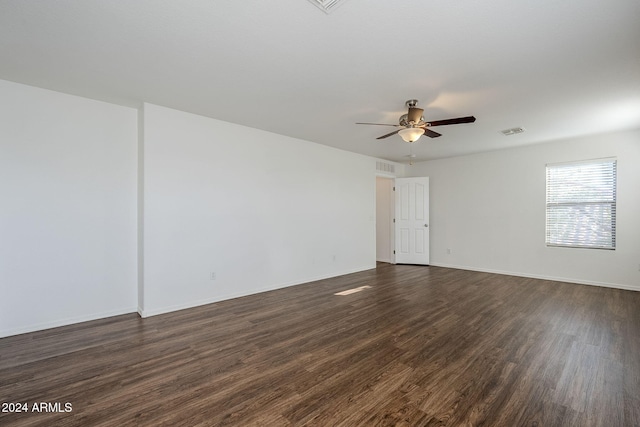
[
  {"x": 168, "y": 309},
  {"x": 191, "y": 304},
  {"x": 542, "y": 277},
  {"x": 64, "y": 322}
]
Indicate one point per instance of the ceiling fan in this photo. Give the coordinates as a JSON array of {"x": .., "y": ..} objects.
[{"x": 413, "y": 126}]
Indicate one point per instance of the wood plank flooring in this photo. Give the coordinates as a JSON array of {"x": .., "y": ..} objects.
[{"x": 424, "y": 346}]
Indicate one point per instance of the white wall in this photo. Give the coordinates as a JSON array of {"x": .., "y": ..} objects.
[
  {"x": 489, "y": 210},
  {"x": 260, "y": 210},
  {"x": 82, "y": 182},
  {"x": 67, "y": 209}
]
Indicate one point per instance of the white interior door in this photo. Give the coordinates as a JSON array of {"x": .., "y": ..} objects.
[{"x": 412, "y": 220}]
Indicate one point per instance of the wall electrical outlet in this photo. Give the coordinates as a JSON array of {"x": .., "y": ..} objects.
[{"x": 212, "y": 276}]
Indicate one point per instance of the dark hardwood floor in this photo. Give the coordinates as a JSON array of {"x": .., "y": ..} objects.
[{"x": 424, "y": 346}]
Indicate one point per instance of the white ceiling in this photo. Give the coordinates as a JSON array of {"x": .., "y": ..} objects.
[{"x": 558, "y": 68}]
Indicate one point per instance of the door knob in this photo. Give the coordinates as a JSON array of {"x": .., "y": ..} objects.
[{"x": 426, "y": 225}]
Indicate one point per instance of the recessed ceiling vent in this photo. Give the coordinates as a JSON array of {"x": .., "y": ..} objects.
[
  {"x": 327, "y": 5},
  {"x": 512, "y": 131}
]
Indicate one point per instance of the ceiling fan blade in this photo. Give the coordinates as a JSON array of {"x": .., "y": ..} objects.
[
  {"x": 389, "y": 134},
  {"x": 414, "y": 114},
  {"x": 456, "y": 121},
  {"x": 377, "y": 124},
  {"x": 431, "y": 134}
]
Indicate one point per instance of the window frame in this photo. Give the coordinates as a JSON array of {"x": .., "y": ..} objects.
[{"x": 551, "y": 207}]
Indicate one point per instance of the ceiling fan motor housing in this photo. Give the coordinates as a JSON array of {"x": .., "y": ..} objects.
[{"x": 404, "y": 121}]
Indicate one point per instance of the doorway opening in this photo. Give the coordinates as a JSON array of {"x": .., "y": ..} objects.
[{"x": 385, "y": 207}]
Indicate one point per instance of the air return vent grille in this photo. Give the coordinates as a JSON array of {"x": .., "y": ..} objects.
[
  {"x": 385, "y": 167},
  {"x": 512, "y": 131},
  {"x": 327, "y": 5}
]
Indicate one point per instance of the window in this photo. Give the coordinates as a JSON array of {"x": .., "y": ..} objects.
[{"x": 581, "y": 204}]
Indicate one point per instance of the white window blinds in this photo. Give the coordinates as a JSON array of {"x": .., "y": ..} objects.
[{"x": 581, "y": 204}]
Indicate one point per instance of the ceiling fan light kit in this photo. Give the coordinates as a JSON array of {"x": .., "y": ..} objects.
[
  {"x": 412, "y": 125},
  {"x": 411, "y": 134}
]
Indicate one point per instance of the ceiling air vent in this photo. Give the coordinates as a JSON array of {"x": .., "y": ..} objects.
[
  {"x": 327, "y": 5},
  {"x": 511, "y": 131},
  {"x": 385, "y": 167}
]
